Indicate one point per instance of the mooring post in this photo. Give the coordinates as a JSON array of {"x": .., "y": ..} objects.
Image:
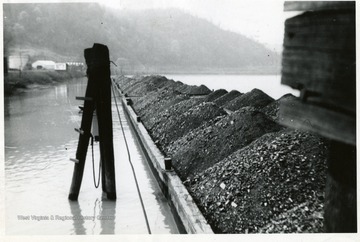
[
  {"x": 101, "y": 74},
  {"x": 84, "y": 136},
  {"x": 168, "y": 163},
  {"x": 98, "y": 97}
]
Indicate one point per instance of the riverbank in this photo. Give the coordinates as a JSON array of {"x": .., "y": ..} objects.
[
  {"x": 16, "y": 82},
  {"x": 247, "y": 173}
]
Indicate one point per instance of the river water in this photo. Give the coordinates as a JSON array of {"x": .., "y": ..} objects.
[
  {"x": 39, "y": 140},
  {"x": 270, "y": 84}
]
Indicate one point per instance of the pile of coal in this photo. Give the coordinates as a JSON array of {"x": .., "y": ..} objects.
[
  {"x": 256, "y": 98},
  {"x": 159, "y": 118},
  {"x": 194, "y": 90},
  {"x": 246, "y": 172},
  {"x": 224, "y": 99},
  {"x": 174, "y": 127},
  {"x": 215, "y": 95},
  {"x": 273, "y": 108},
  {"x": 211, "y": 142},
  {"x": 274, "y": 185}
]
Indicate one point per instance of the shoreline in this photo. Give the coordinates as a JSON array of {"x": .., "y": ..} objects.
[
  {"x": 246, "y": 173},
  {"x": 19, "y": 82}
]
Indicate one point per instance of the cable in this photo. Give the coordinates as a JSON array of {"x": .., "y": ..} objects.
[
  {"x": 92, "y": 151},
  {"x": 132, "y": 167},
  {"x": 93, "y": 165}
]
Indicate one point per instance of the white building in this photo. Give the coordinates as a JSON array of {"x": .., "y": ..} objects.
[
  {"x": 17, "y": 62},
  {"x": 44, "y": 65},
  {"x": 60, "y": 66}
]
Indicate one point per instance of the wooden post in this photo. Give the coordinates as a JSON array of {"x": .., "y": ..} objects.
[
  {"x": 98, "y": 96},
  {"x": 101, "y": 75},
  {"x": 84, "y": 137},
  {"x": 6, "y": 66},
  {"x": 340, "y": 195},
  {"x": 319, "y": 59},
  {"x": 168, "y": 163}
]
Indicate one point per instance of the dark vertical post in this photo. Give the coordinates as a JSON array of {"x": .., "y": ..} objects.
[
  {"x": 84, "y": 137},
  {"x": 98, "y": 97},
  {"x": 340, "y": 203},
  {"x": 101, "y": 75},
  {"x": 6, "y": 66}
]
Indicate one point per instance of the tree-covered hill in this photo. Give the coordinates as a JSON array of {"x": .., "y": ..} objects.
[{"x": 148, "y": 40}]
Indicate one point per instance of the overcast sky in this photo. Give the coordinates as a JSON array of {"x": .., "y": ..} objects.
[{"x": 262, "y": 20}]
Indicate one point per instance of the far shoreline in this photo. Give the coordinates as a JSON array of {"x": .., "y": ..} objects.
[
  {"x": 227, "y": 73},
  {"x": 16, "y": 82}
]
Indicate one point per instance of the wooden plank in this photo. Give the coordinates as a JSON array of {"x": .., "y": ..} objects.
[
  {"x": 331, "y": 124},
  {"x": 84, "y": 98},
  {"x": 321, "y": 31},
  {"x": 325, "y": 38},
  {"x": 331, "y": 76},
  {"x": 318, "y": 5},
  {"x": 321, "y": 18},
  {"x": 319, "y": 57}
]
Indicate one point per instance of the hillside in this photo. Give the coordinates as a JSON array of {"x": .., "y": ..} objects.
[{"x": 149, "y": 40}]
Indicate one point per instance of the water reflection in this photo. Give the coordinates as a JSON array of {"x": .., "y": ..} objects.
[
  {"x": 104, "y": 212},
  {"x": 107, "y": 217},
  {"x": 60, "y": 92},
  {"x": 76, "y": 213}
]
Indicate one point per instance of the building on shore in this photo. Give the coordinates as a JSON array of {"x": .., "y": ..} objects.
[
  {"x": 44, "y": 65},
  {"x": 17, "y": 62},
  {"x": 61, "y": 66}
]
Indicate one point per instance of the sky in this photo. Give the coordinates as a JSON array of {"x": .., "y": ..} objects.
[{"x": 261, "y": 20}]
